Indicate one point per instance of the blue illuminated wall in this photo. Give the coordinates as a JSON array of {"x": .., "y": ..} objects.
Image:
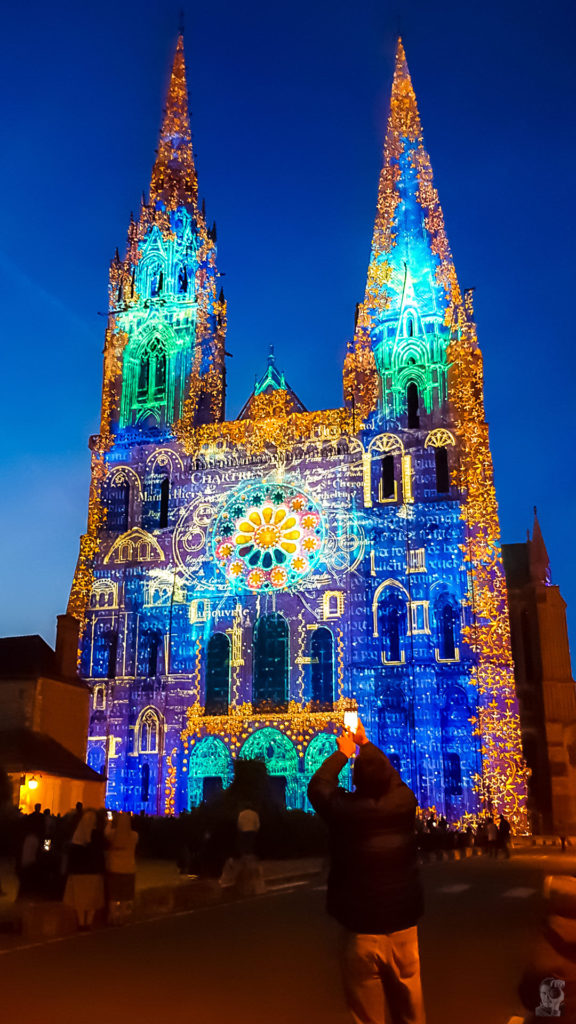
[{"x": 242, "y": 583}]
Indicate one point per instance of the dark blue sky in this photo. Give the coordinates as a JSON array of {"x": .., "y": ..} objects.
[{"x": 288, "y": 108}]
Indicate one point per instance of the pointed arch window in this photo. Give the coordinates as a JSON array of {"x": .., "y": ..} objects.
[
  {"x": 160, "y": 374},
  {"x": 413, "y": 403},
  {"x": 392, "y": 628},
  {"x": 271, "y": 660},
  {"x": 156, "y": 505},
  {"x": 99, "y": 697},
  {"x": 152, "y": 373},
  {"x": 388, "y": 479},
  {"x": 447, "y": 626},
  {"x": 144, "y": 377},
  {"x": 447, "y": 630},
  {"x": 182, "y": 280},
  {"x": 149, "y": 731},
  {"x": 442, "y": 470},
  {"x": 104, "y": 653},
  {"x": 117, "y": 503},
  {"x": 217, "y": 674},
  {"x": 322, "y": 666}
]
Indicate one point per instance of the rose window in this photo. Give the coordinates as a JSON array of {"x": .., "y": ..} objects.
[{"x": 268, "y": 537}]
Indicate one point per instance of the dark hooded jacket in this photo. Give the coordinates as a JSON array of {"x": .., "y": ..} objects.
[{"x": 373, "y": 885}]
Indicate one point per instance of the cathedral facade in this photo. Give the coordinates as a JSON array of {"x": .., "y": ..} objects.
[{"x": 242, "y": 583}]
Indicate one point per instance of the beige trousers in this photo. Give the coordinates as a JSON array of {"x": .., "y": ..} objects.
[{"x": 381, "y": 975}]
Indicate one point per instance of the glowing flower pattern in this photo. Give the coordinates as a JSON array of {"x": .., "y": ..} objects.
[{"x": 268, "y": 537}]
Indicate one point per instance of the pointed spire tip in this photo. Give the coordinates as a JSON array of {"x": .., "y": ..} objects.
[{"x": 174, "y": 180}]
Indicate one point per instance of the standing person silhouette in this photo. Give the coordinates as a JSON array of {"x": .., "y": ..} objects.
[
  {"x": 503, "y": 841},
  {"x": 374, "y": 889}
]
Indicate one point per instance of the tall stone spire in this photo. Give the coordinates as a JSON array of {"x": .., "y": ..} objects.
[
  {"x": 174, "y": 181},
  {"x": 409, "y": 227},
  {"x": 539, "y": 558},
  {"x": 412, "y": 308}
]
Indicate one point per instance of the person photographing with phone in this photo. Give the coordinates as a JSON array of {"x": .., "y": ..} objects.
[{"x": 374, "y": 889}]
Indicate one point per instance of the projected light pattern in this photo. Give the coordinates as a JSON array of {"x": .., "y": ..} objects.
[
  {"x": 243, "y": 582},
  {"x": 268, "y": 537}
]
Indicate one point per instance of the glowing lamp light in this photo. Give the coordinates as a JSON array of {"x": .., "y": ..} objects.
[{"x": 33, "y": 783}]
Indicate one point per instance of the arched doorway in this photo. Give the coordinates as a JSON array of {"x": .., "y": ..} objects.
[
  {"x": 281, "y": 760},
  {"x": 209, "y": 769}
]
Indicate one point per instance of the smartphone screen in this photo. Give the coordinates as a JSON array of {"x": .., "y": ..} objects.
[{"x": 351, "y": 720}]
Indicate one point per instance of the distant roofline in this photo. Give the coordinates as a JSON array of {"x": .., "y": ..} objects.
[{"x": 30, "y": 656}]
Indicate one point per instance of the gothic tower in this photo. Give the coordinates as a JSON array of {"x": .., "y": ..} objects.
[
  {"x": 243, "y": 582},
  {"x": 414, "y": 374}
]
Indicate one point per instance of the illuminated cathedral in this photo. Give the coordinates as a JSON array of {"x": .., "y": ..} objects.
[{"x": 242, "y": 582}]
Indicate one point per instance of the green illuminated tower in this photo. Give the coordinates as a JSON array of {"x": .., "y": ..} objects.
[{"x": 167, "y": 325}]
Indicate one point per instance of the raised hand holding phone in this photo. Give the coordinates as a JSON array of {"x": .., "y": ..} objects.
[
  {"x": 351, "y": 721},
  {"x": 360, "y": 734},
  {"x": 346, "y": 744}
]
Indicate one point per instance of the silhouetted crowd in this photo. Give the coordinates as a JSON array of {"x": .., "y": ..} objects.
[
  {"x": 435, "y": 837},
  {"x": 43, "y": 844},
  {"x": 86, "y": 859}
]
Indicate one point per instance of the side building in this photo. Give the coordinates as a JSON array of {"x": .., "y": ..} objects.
[
  {"x": 544, "y": 683},
  {"x": 44, "y": 710},
  {"x": 242, "y": 582}
]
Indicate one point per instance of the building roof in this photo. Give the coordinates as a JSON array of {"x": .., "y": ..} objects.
[
  {"x": 29, "y": 657},
  {"x": 25, "y": 656},
  {"x": 22, "y": 750},
  {"x": 272, "y": 380}
]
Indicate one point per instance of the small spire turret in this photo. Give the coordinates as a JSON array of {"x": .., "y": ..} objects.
[{"x": 539, "y": 558}]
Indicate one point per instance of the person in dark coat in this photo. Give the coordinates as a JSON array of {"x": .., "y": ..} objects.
[
  {"x": 374, "y": 888},
  {"x": 37, "y": 822},
  {"x": 503, "y": 841}
]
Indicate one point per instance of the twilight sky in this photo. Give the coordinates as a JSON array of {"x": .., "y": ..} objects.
[{"x": 288, "y": 109}]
